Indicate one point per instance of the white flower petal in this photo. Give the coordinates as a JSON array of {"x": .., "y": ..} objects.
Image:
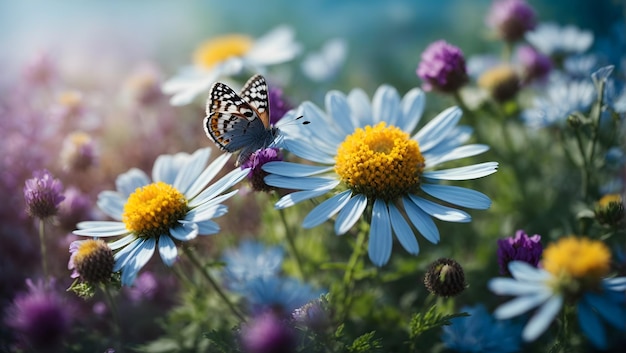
[
  {"x": 299, "y": 196},
  {"x": 361, "y": 108},
  {"x": 386, "y": 105},
  {"x": 510, "y": 286},
  {"x": 122, "y": 242},
  {"x": 275, "y": 47},
  {"x": 542, "y": 318},
  {"x": 191, "y": 170},
  {"x": 205, "y": 213},
  {"x": 123, "y": 256},
  {"x": 350, "y": 214},
  {"x": 139, "y": 260},
  {"x": 412, "y": 106},
  {"x": 520, "y": 305},
  {"x": 312, "y": 183},
  {"x": 403, "y": 231},
  {"x": 294, "y": 170},
  {"x": 207, "y": 227},
  {"x": 207, "y": 175},
  {"x": 441, "y": 212},
  {"x": 437, "y": 129},
  {"x": 302, "y": 148},
  {"x": 523, "y": 271},
  {"x": 338, "y": 108},
  {"x": 380, "y": 239},
  {"x": 422, "y": 221},
  {"x": 112, "y": 204},
  {"x": 457, "y": 153},
  {"x": 457, "y": 195},
  {"x": 185, "y": 231},
  {"x": 167, "y": 250},
  {"x": 128, "y": 182},
  {"x": 463, "y": 173},
  {"x": 219, "y": 186},
  {"x": 98, "y": 230},
  {"x": 326, "y": 209}
]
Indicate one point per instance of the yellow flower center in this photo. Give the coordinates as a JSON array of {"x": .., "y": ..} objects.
[
  {"x": 86, "y": 249},
  {"x": 381, "y": 162},
  {"x": 579, "y": 258},
  {"x": 606, "y": 200},
  {"x": 216, "y": 50},
  {"x": 153, "y": 209}
]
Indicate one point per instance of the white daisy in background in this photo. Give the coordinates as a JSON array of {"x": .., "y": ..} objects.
[
  {"x": 229, "y": 55},
  {"x": 176, "y": 206},
  {"x": 552, "y": 39},
  {"x": 367, "y": 158},
  {"x": 324, "y": 65}
]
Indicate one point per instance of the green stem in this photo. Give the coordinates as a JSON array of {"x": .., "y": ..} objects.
[
  {"x": 585, "y": 167},
  {"x": 348, "y": 277},
  {"x": 196, "y": 262},
  {"x": 42, "y": 242},
  {"x": 117, "y": 327},
  {"x": 291, "y": 243}
]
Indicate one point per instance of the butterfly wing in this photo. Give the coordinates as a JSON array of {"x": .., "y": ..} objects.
[{"x": 255, "y": 93}]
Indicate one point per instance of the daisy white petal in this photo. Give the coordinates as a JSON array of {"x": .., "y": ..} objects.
[
  {"x": 294, "y": 170},
  {"x": 122, "y": 242},
  {"x": 167, "y": 250},
  {"x": 386, "y": 105},
  {"x": 421, "y": 220},
  {"x": 297, "y": 197},
  {"x": 437, "y": 129},
  {"x": 184, "y": 232},
  {"x": 105, "y": 225},
  {"x": 464, "y": 173},
  {"x": 458, "y": 153},
  {"x": 521, "y": 305},
  {"x": 542, "y": 318},
  {"x": 326, "y": 209},
  {"x": 337, "y": 106},
  {"x": 100, "y": 232},
  {"x": 128, "y": 182},
  {"x": 523, "y": 271},
  {"x": 207, "y": 175},
  {"x": 360, "y": 108},
  {"x": 459, "y": 196},
  {"x": 218, "y": 187},
  {"x": 350, "y": 214},
  {"x": 413, "y": 105},
  {"x": 191, "y": 169},
  {"x": 112, "y": 204},
  {"x": 403, "y": 231},
  {"x": 143, "y": 254},
  {"x": 203, "y": 213},
  {"x": 207, "y": 227},
  {"x": 510, "y": 286},
  {"x": 380, "y": 242},
  {"x": 123, "y": 256},
  {"x": 296, "y": 183},
  {"x": 441, "y": 212}
]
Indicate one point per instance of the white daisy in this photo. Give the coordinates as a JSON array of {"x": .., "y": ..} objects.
[
  {"x": 229, "y": 55},
  {"x": 368, "y": 160},
  {"x": 174, "y": 207}
]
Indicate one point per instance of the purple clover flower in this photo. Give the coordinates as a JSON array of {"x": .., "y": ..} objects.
[
  {"x": 40, "y": 317},
  {"x": 43, "y": 194},
  {"x": 442, "y": 67},
  {"x": 536, "y": 66},
  {"x": 256, "y": 162},
  {"x": 268, "y": 333},
  {"x": 519, "y": 248},
  {"x": 511, "y": 19},
  {"x": 279, "y": 105}
]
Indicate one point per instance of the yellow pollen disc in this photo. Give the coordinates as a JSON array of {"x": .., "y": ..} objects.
[
  {"x": 153, "y": 209},
  {"x": 580, "y": 258},
  {"x": 87, "y": 248},
  {"x": 606, "y": 200},
  {"x": 79, "y": 138},
  {"x": 216, "y": 50},
  {"x": 496, "y": 76},
  {"x": 381, "y": 162},
  {"x": 70, "y": 99}
]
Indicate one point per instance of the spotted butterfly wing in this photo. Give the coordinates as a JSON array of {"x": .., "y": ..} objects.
[{"x": 240, "y": 122}]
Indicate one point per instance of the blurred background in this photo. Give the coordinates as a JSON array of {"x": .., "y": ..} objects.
[{"x": 385, "y": 37}]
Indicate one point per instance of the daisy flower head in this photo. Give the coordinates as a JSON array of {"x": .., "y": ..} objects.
[
  {"x": 366, "y": 158},
  {"x": 171, "y": 207},
  {"x": 574, "y": 273},
  {"x": 229, "y": 55}
]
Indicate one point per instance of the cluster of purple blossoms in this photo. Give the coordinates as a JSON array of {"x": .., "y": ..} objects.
[
  {"x": 442, "y": 68},
  {"x": 43, "y": 194},
  {"x": 511, "y": 19},
  {"x": 521, "y": 247}
]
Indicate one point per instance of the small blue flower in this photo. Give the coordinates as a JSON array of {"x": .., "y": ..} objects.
[
  {"x": 551, "y": 39},
  {"x": 480, "y": 332},
  {"x": 282, "y": 294},
  {"x": 251, "y": 260}
]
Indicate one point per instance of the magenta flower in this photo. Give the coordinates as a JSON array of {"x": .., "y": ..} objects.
[
  {"x": 536, "y": 66},
  {"x": 255, "y": 162},
  {"x": 43, "y": 194},
  {"x": 267, "y": 333},
  {"x": 279, "y": 105},
  {"x": 511, "y": 19},
  {"x": 40, "y": 317},
  {"x": 442, "y": 67},
  {"x": 519, "y": 248}
]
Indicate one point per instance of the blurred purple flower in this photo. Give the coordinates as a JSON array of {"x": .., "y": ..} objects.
[
  {"x": 74, "y": 208},
  {"x": 536, "y": 66},
  {"x": 279, "y": 105},
  {"x": 519, "y": 248},
  {"x": 43, "y": 194},
  {"x": 255, "y": 163},
  {"x": 144, "y": 288},
  {"x": 267, "y": 333},
  {"x": 40, "y": 317},
  {"x": 78, "y": 152},
  {"x": 442, "y": 67},
  {"x": 511, "y": 19}
]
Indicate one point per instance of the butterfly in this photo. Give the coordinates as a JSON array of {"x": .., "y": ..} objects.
[{"x": 240, "y": 121}]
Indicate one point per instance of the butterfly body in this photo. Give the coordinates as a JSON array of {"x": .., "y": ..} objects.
[{"x": 240, "y": 121}]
